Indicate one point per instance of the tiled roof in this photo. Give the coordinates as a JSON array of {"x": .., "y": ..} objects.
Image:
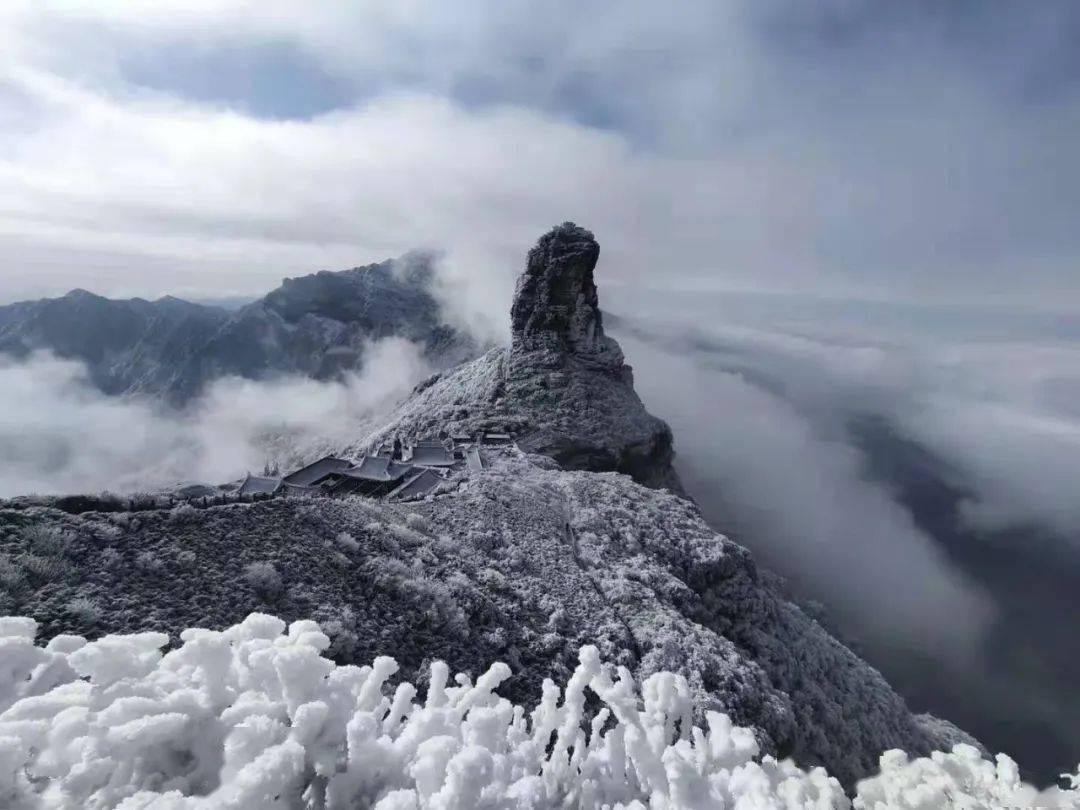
[
  {"x": 428, "y": 455},
  {"x": 259, "y": 485},
  {"x": 316, "y": 471},
  {"x": 377, "y": 468},
  {"x": 418, "y": 484}
]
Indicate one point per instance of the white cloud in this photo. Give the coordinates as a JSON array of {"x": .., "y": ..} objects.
[
  {"x": 1001, "y": 414},
  {"x": 1021, "y": 463},
  {"x": 763, "y": 470},
  {"x": 719, "y": 173},
  {"x": 58, "y": 434}
]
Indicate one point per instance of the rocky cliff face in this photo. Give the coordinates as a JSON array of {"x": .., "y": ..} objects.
[
  {"x": 561, "y": 387},
  {"x": 556, "y": 306}
]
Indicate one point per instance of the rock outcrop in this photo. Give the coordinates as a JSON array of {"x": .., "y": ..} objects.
[
  {"x": 556, "y": 306},
  {"x": 561, "y": 388}
]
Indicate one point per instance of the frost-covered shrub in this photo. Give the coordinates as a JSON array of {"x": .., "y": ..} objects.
[
  {"x": 492, "y": 579},
  {"x": 392, "y": 567},
  {"x": 483, "y": 540},
  {"x": 339, "y": 624},
  {"x": 85, "y": 611},
  {"x": 46, "y": 541},
  {"x": 435, "y": 600},
  {"x": 106, "y": 532},
  {"x": 418, "y": 523},
  {"x": 12, "y": 577},
  {"x": 430, "y": 601},
  {"x": 558, "y": 620},
  {"x": 347, "y": 541},
  {"x": 264, "y": 580},
  {"x": 183, "y": 514},
  {"x": 255, "y": 716},
  {"x": 149, "y": 562},
  {"x": 406, "y": 537},
  {"x": 43, "y": 568},
  {"x": 444, "y": 546},
  {"x": 110, "y": 558}
]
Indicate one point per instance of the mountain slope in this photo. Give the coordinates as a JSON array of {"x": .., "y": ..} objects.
[
  {"x": 521, "y": 563},
  {"x": 127, "y": 346},
  {"x": 317, "y": 326}
]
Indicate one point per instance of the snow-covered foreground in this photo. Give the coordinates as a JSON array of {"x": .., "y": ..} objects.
[{"x": 255, "y": 717}]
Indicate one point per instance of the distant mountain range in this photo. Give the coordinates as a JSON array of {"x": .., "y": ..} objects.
[{"x": 316, "y": 325}]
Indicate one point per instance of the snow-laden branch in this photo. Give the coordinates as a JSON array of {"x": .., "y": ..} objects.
[{"x": 254, "y": 717}]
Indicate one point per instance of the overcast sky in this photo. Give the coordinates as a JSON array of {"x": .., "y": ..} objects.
[{"x": 905, "y": 151}]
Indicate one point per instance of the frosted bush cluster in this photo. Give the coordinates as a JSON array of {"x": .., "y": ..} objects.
[{"x": 255, "y": 717}]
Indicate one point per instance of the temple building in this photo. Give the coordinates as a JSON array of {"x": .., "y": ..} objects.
[{"x": 396, "y": 469}]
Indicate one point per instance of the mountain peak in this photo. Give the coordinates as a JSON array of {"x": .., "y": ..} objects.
[
  {"x": 556, "y": 304},
  {"x": 79, "y": 294},
  {"x": 562, "y": 390}
]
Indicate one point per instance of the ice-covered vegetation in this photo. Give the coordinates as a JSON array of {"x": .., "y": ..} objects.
[
  {"x": 521, "y": 563},
  {"x": 254, "y": 717}
]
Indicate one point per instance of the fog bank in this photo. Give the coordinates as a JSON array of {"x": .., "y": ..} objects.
[{"x": 59, "y": 434}]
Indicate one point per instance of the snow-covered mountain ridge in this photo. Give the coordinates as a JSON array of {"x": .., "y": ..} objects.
[
  {"x": 561, "y": 388},
  {"x": 317, "y": 326},
  {"x": 522, "y": 563}
]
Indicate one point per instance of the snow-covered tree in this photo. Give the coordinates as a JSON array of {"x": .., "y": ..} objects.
[{"x": 255, "y": 717}]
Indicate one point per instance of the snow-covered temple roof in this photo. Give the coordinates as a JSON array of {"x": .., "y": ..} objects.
[
  {"x": 316, "y": 471},
  {"x": 377, "y": 468},
  {"x": 422, "y": 482},
  {"x": 259, "y": 485},
  {"x": 431, "y": 455}
]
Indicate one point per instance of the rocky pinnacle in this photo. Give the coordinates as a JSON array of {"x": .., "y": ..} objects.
[{"x": 555, "y": 303}]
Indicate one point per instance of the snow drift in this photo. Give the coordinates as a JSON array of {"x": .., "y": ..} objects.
[{"x": 254, "y": 716}]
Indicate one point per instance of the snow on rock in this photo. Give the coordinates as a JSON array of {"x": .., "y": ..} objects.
[
  {"x": 561, "y": 388},
  {"x": 556, "y": 306},
  {"x": 255, "y": 716}
]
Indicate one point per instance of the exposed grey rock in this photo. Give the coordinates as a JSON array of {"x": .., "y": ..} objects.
[
  {"x": 561, "y": 388},
  {"x": 517, "y": 563},
  {"x": 556, "y": 305}
]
